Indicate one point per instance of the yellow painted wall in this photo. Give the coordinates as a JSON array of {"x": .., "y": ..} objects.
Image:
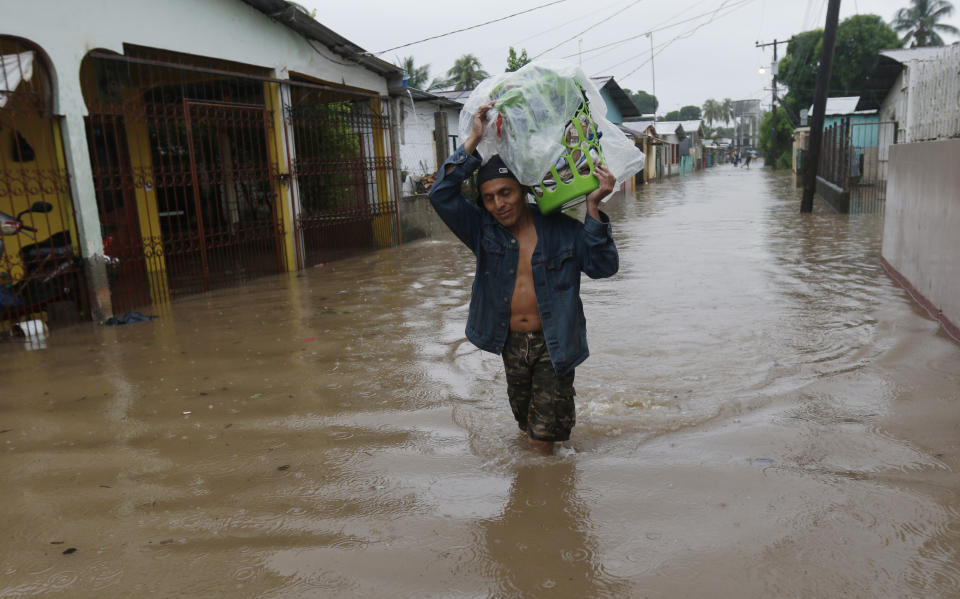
[
  {"x": 382, "y": 225},
  {"x": 276, "y": 154},
  {"x": 44, "y": 179}
]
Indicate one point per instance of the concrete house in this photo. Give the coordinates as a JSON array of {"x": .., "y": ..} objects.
[
  {"x": 186, "y": 146},
  {"x": 660, "y": 142},
  {"x": 429, "y": 132},
  {"x": 917, "y": 90}
]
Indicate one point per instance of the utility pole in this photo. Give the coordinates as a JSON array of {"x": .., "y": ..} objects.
[
  {"x": 819, "y": 106},
  {"x": 653, "y": 74},
  {"x": 772, "y": 154}
]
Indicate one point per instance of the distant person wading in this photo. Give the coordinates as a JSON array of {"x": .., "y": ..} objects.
[{"x": 526, "y": 303}]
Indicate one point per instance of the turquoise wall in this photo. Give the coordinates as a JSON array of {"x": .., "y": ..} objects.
[
  {"x": 613, "y": 113},
  {"x": 864, "y": 128}
]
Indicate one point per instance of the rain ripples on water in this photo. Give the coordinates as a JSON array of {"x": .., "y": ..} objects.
[{"x": 335, "y": 435}]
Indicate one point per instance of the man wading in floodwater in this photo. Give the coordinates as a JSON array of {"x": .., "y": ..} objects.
[{"x": 526, "y": 292}]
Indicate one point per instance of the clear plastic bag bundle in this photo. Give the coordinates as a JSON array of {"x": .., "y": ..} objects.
[{"x": 534, "y": 115}]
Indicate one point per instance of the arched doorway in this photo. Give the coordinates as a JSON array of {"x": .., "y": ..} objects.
[{"x": 41, "y": 273}]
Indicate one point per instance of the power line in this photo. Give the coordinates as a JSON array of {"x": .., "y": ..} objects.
[
  {"x": 433, "y": 37},
  {"x": 655, "y": 30},
  {"x": 632, "y": 4},
  {"x": 690, "y": 32},
  {"x": 550, "y": 30}
]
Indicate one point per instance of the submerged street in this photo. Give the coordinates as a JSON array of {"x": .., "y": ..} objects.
[{"x": 765, "y": 413}]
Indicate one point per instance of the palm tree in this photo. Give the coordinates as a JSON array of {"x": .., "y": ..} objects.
[
  {"x": 417, "y": 76},
  {"x": 466, "y": 73},
  {"x": 920, "y": 21},
  {"x": 712, "y": 111},
  {"x": 727, "y": 113}
]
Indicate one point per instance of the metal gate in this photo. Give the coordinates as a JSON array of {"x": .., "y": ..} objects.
[
  {"x": 42, "y": 278},
  {"x": 342, "y": 172},
  {"x": 185, "y": 173},
  {"x": 869, "y": 145},
  {"x": 854, "y": 157}
]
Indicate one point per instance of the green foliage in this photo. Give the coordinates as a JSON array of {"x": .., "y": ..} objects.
[
  {"x": 689, "y": 113},
  {"x": 673, "y": 115},
  {"x": 782, "y": 145},
  {"x": 798, "y": 68},
  {"x": 712, "y": 112},
  {"x": 645, "y": 103},
  {"x": 514, "y": 62},
  {"x": 859, "y": 39},
  {"x": 417, "y": 76},
  {"x": 465, "y": 73},
  {"x": 726, "y": 111},
  {"x": 324, "y": 135},
  {"x": 921, "y": 23}
]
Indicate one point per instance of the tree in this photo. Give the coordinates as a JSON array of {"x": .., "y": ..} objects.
[
  {"x": 465, "y": 73},
  {"x": 689, "y": 113},
  {"x": 782, "y": 144},
  {"x": 417, "y": 76},
  {"x": 645, "y": 103},
  {"x": 673, "y": 115},
  {"x": 514, "y": 62},
  {"x": 728, "y": 115},
  {"x": 798, "y": 67},
  {"x": 712, "y": 112},
  {"x": 859, "y": 39},
  {"x": 920, "y": 22}
]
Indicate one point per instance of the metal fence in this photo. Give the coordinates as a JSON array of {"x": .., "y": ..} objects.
[
  {"x": 208, "y": 173},
  {"x": 854, "y": 157},
  {"x": 342, "y": 172},
  {"x": 185, "y": 173}
]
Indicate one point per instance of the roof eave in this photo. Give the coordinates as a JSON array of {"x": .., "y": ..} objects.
[{"x": 291, "y": 16}]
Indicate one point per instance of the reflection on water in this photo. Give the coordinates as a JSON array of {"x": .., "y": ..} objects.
[
  {"x": 541, "y": 545},
  {"x": 760, "y": 399}
]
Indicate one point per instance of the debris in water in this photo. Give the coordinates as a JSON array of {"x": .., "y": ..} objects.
[
  {"x": 284, "y": 467},
  {"x": 130, "y": 317},
  {"x": 187, "y": 412},
  {"x": 69, "y": 550}
]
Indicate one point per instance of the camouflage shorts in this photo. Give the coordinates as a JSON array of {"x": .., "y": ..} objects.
[{"x": 541, "y": 400}]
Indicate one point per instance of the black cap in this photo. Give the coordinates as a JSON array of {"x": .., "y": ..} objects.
[{"x": 494, "y": 169}]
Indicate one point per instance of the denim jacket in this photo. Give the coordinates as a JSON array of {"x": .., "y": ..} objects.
[{"x": 565, "y": 246}]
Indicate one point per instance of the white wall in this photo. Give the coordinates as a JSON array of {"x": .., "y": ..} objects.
[
  {"x": 227, "y": 29},
  {"x": 417, "y": 154},
  {"x": 920, "y": 237}
]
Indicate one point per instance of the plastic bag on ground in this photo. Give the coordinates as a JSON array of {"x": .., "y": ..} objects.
[{"x": 533, "y": 107}]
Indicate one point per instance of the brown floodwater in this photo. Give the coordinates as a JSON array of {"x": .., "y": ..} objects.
[{"x": 764, "y": 414}]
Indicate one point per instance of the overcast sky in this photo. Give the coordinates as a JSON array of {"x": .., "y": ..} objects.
[{"x": 716, "y": 60}]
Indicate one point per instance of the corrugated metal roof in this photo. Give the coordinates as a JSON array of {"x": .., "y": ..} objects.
[
  {"x": 636, "y": 127},
  {"x": 458, "y": 95},
  {"x": 841, "y": 106},
  {"x": 902, "y": 55},
  {"x": 669, "y": 127},
  {"x": 421, "y": 96}
]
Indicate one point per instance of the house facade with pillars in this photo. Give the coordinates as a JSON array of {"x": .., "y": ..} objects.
[{"x": 187, "y": 146}]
